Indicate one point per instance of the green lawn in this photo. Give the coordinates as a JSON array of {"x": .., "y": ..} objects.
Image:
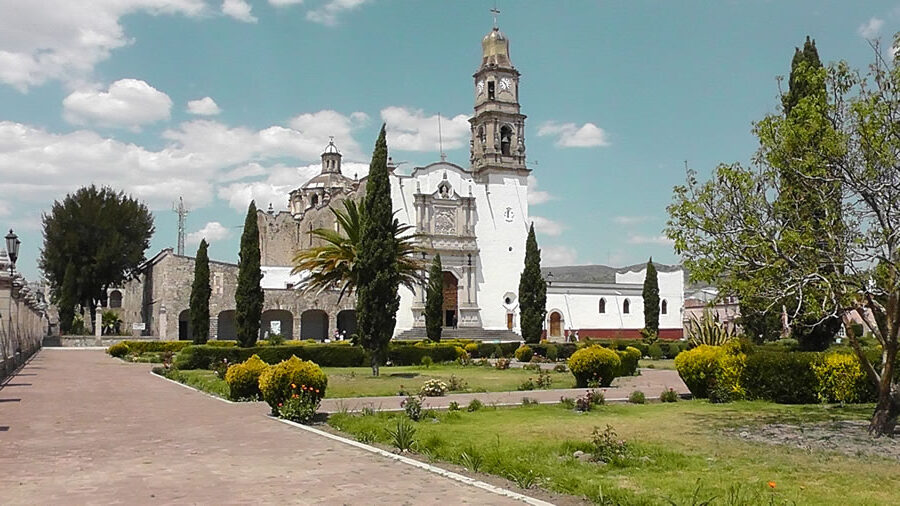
[
  {"x": 665, "y": 363},
  {"x": 359, "y": 382},
  {"x": 677, "y": 451}
]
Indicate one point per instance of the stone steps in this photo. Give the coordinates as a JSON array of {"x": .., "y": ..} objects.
[{"x": 477, "y": 334}]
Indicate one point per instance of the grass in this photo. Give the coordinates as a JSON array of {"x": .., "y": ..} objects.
[
  {"x": 678, "y": 453},
  {"x": 665, "y": 363},
  {"x": 201, "y": 379},
  {"x": 346, "y": 382}
]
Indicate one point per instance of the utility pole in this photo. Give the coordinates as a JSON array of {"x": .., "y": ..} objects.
[{"x": 182, "y": 215}]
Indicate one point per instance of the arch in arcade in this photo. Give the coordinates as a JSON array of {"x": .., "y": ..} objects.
[
  {"x": 346, "y": 322},
  {"x": 277, "y": 321},
  {"x": 184, "y": 326},
  {"x": 227, "y": 331},
  {"x": 314, "y": 324}
]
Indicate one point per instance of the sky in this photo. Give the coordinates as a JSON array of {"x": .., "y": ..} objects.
[{"x": 226, "y": 101}]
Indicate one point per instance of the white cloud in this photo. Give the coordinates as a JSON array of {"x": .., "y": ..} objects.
[
  {"x": 631, "y": 220},
  {"x": 205, "y": 106},
  {"x": 243, "y": 172},
  {"x": 212, "y": 231},
  {"x": 570, "y": 135},
  {"x": 645, "y": 239},
  {"x": 871, "y": 28},
  {"x": 536, "y": 196},
  {"x": 546, "y": 226},
  {"x": 412, "y": 130},
  {"x": 284, "y": 3},
  {"x": 318, "y": 127},
  {"x": 327, "y": 14},
  {"x": 64, "y": 40},
  {"x": 239, "y": 10},
  {"x": 555, "y": 256},
  {"x": 127, "y": 103}
]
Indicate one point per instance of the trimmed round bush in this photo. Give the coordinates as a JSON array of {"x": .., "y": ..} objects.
[
  {"x": 243, "y": 378},
  {"x": 699, "y": 368},
  {"x": 275, "y": 383},
  {"x": 594, "y": 363},
  {"x": 552, "y": 352},
  {"x": 655, "y": 351},
  {"x": 472, "y": 349},
  {"x": 629, "y": 359},
  {"x": 524, "y": 353},
  {"x": 118, "y": 350},
  {"x": 841, "y": 379}
]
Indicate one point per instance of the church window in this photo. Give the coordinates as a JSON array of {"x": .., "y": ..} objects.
[
  {"x": 314, "y": 201},
  {"x": 602, "y": 307},
  {"x": 626, "y": 306},
  {"x": 664, "y": 309},
  {"x": 505, "y": 139},
  {"x": 490, "y": 90}
]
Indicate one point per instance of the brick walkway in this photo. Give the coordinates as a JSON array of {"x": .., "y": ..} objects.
[
  {"x": 79, "y": 427},
  {"x": 651, "y": 381}
]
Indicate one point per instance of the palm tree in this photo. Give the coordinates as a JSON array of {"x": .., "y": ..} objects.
[{"x": 333, "y": 265}]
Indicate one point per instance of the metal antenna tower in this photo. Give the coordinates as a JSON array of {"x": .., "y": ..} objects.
[{"x": 182, "y": 215}]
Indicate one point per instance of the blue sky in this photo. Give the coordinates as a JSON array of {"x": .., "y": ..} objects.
[{"x": 225, "y": 101}]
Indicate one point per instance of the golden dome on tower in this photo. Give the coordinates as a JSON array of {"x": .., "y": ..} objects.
[{"x": 495, "y": 49}]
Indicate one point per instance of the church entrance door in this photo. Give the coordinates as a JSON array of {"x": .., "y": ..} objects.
[
  {"x": 555, "y": 324},
  {"x": 451, "y": 292}
]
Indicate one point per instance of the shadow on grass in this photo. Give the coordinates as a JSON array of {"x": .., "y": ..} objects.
[{"x": 406, "y": 375}]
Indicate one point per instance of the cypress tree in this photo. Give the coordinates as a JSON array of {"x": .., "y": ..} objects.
[
  {"x": 532, "y": 292},
  {"x": 651, "y": 301},
  {"x": 248, "y": 296},
  {"x": 68, "y": 296},
  {"x": 434, "y": 300},
  {"x": 377, "y": 300},
  {"x": 200, "y": 292},
  {"x": 799, "y": 84}
]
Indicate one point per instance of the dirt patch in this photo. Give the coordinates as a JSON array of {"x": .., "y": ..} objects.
[{"x": 849, "y": 437}]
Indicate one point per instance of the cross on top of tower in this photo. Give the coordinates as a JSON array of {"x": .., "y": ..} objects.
[{"x": 496, "y": 12}]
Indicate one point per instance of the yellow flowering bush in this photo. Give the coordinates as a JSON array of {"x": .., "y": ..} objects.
[
  {"x": 594, "y": 364},
  {"x": 279, "y": 382},
  {"x": 699, "y": 368},
  {"x": 840, "y": 378},
  {"x": 243, "y": 378}
]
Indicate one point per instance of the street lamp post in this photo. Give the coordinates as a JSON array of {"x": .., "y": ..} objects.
[{"x": 12, "y": 251}]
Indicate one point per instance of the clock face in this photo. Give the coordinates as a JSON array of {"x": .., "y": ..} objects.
[
  {"x": 505, "y": 84},
  {"x": 509, "y": 214},
  {"x": 480, "y": 87}
]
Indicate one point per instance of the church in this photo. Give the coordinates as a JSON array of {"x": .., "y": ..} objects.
[{"x": 474, "y": 215}]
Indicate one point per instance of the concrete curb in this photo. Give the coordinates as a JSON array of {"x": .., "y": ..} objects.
[
  {"x": 421, "y": 465},
  {"x": 216, "y": 397}
]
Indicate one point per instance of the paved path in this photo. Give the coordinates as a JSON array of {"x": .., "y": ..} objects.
[
  {"x": 651, "y": 381},
  {"x": 78, "y": 427}
]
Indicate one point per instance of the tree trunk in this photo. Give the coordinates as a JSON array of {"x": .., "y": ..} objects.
[
  {"x": 375, "y": 371},
  {"x": 884, "y": 420}
]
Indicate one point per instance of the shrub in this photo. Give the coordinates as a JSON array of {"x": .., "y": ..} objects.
[
  {"x": 301, "y": 406},
  {"x": 629, "y": 361},
  {"x": 326, "y": 355},
  {"x": 841, "y": 379},
  {"x": 403, "y": 437},
  {"x": 243, "y": 378},
  {"x": 275, "y": 340},
  {"x": 637, "y": 397},
  {"x": 567, "y": 402},
  {"x": 544, "y": 380},
  {"x": 786, "y": 378},
  {"x": 474, "y": 405},
  {"x": 118, "y": 350},
  {"x": 456, "y": 384},
  {"x": 668, "y": 395},
  {"x": 412, "y": 354},
  {"x": 526, "y": 385},
  {"x": 434, "y": 388},
  {"x": 412, "y": 406},
  {"x": 654, "y": 351},
  {"x": 502, "y": 364},
  {"x": 489, "y": 350},
  {"x": 698, "y": 368},
  {"x": 709, "y": 331},
  {"x": 472, "y": 349},
  {"x": 594, "y": 363},
  {"x": 524, "y": 353},
  {"x": 552, "y": 352},
  {"x": 606, "y": 445},
  {"x": 426, "y": 362},
  {"x": 275, "y": 382},
  {"x": 454, "y": 406},
  {"x": 590, "y": 399}
]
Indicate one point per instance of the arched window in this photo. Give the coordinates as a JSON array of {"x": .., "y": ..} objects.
[
  {"x": 602, "y": 306},
  {"x": 505, "y": 139},
  {"x": 314, "y": 201},
  {"x": 115, "y": 299},
  {"x": 664, "y": 308},
  {"x": 626, "y": 306}
]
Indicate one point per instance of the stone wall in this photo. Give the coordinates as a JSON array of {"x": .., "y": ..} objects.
[{"x": 23, "y": 324}]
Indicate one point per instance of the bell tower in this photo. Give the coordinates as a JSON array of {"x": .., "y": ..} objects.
[{"x": 498, "y": 126}]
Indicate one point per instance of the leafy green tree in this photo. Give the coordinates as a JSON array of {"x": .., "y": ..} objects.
[
  {"x": 68, "y": 297},
  {"x": 759, "y": 324},
  {"x": 248, "y": 296},
  {"x": 378, "y": 276},
  {"x": 737, "y": 230},
  {"x": 434, "y": 300},
  {"x": 103, "y": 233},
  {"x": 532, "y": 292},
  {"x": 200, "y": 292},
  {"x": 651, "y": 301},
  {"x": 333, "y": 266}
]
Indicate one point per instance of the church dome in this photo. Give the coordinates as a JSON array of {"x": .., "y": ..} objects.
[
  {"x": 495, "y": 49},
  {"x": 331, "y": 148}
]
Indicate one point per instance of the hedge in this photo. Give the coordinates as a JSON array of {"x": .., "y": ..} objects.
[
  {"x": 782, "y": 377},
  {"x": 563, "y": 350},
  {"x": 406, "y": 354},
  {"x": 138, "y": 347},
  {"x": 326, "y": 355}
]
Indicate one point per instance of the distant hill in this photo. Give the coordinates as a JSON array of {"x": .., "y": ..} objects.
[{"x": 598, "y": 273}]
